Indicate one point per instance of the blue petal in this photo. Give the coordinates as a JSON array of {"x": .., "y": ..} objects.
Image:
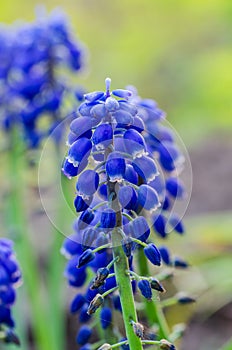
[
  {"x": 111, "y": 104},
  {"x": 93, "y": 96},
  {"x": 134, "y": 143},
  {"x": 103, "y": 136},
  {"x": 128, "y": 197},
  {"x": 148, "y": 197},
  {"x": 87, "y": 183},
  {"x": 80, "y": 149},
  {"x": 122, "y": 93},
  {"x": 80, "y": 126},
  {"x": 115, "y": 166},
  {"x": 146, "y": 168}
]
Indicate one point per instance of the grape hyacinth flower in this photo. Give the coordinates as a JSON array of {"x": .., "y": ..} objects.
[
  {"x": 32, "y": 88},
  {"x": 118, "y": 193},
  {"x": 10, "y": 279}
]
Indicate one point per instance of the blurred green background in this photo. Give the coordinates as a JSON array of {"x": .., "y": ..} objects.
[{"x": 180, "y": 54}]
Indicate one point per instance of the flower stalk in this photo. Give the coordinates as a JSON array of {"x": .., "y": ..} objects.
[{"x": 154, "y": 310}]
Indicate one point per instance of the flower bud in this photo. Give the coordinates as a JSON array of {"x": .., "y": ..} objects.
[
  {"x": 77, "y": 303},
  {"x": 160, "y": 225},
  {"x": 155, "y": 284},
  {"x": 180, "y": 263},
  {"x": 70, "y": 246},
  {"x": 11, "y": 338},
  {"x": 165, "y": 255},
  {"x": 138, "y": 329},
  {"x": 153, "y": 254},
  {"x": 93, "y": 96},
  {"x": 85, "y": 258},
  {"x": 95, "y": 304},
  {"x": 185, "y": 299},
  {"x": 100, "y": 278},
  {"x": 166, "y": 345},
  {"x": 122, "y": 93},
  {"x": 83, "y": 335},
  {"x": 145, "y": 289}
]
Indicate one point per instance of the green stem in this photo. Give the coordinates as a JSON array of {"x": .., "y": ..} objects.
[
  {"x": 151, "y": 342},
  {"x": 153, "y": 309},
  {"x": 56, "y": 263},
  {"x": 125, "y": 291},
  {"x": 109, "y": 291},
  {"x": 121, "y": 266},
  {"x": 107, "y": 245},
  {"x": 17, "y": 226}
]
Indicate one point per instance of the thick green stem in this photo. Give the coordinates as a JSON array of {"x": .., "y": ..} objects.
[
  {"x": 121, "y": 265},
  {"x": 122, "y": 277},
  {"x": 153, "y": 309},
  {"x": 125, "y": 291}
]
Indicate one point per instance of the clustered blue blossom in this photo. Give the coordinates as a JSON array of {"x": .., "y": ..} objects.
[
  {"x": 33, "y": 93},
  {"x": 113, "y": 140},
  {"x": 10, "y": 279},
  {"x": 161, "y": 143}
]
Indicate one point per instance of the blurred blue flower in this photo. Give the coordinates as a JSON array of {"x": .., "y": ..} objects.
[
  {"x": 10, "y": 278},
  {"x": 31, "y": 83}
]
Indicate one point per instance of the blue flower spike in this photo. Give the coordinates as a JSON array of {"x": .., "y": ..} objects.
[{"x": 119, "y": 197}]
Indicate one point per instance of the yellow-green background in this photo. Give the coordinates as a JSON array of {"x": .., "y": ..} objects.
[{"x": 178, "y": 52}]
